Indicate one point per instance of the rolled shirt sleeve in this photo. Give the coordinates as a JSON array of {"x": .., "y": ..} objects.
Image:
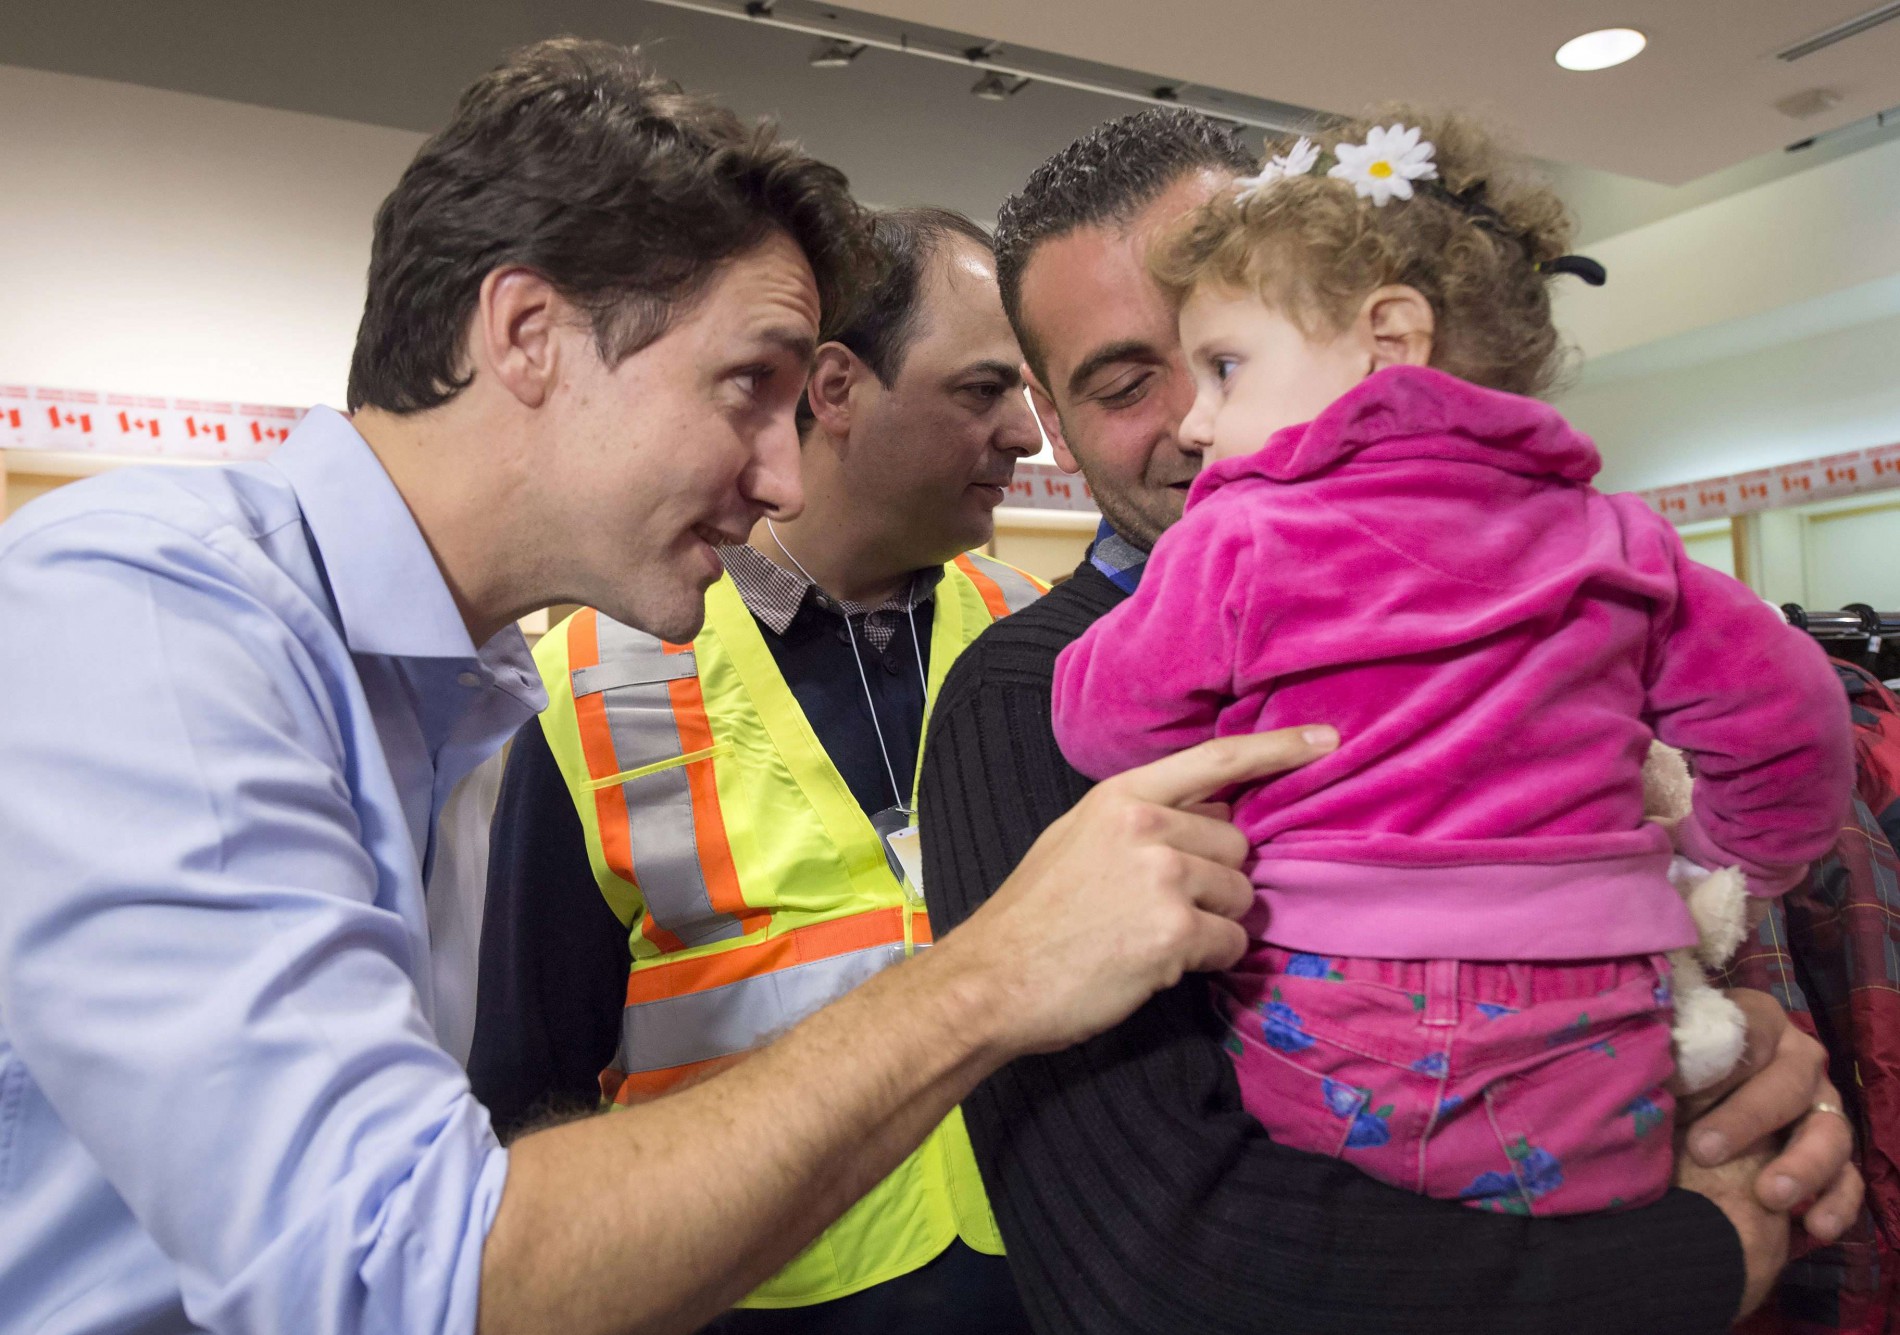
[{"x": 200, "y": 970}]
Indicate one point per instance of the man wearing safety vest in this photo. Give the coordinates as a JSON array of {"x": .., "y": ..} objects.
[{"x": 699, "y": 844}]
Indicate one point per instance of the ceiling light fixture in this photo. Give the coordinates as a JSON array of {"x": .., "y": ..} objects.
[
  {"x": 1601, "y": 49},
  {"x": 825, "y": 23},
  {"x": 835, "y": 55},
  {"x": 994, "y": 87},
  {"x": 1840, "y": 32}
]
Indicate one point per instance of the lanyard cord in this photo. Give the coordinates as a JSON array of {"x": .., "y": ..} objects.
[{"x": 910, "y": 604}]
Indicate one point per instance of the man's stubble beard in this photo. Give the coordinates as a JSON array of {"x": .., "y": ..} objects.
[{"x": 1140, "y": 523}]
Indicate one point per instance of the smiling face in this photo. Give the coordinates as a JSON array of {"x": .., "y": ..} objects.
[
  {"x": 684, "y": 445},
  {"x": 1117, "y": 385},
  {"x": 938, "y": 446},
  {"x": 1256, "y": 372}
]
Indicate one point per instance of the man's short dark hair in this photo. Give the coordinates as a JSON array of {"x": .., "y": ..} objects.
[
  {"x": 1108, "y": 175},
  {"x": 879, "y": 320},
  {"x": 573, "y": 160}
]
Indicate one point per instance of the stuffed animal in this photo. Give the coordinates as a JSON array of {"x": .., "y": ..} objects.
[{"x": 1710, "y": 1029}]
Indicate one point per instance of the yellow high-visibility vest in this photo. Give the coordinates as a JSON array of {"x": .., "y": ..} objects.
[{"x": 753, "y": 887}]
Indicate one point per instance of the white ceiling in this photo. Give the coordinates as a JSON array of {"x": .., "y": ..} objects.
[{"x": 1701, "y": 97}]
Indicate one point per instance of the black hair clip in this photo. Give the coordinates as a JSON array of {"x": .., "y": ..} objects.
[{"x": 1577, "y": 266}]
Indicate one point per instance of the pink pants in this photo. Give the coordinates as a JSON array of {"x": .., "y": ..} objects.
[{"x": 1526, "y": 1088}]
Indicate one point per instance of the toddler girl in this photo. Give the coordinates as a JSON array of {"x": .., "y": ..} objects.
[{"x": 1456, "y": 979}]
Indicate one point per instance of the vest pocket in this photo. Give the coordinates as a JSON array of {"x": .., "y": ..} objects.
[{"x": 712, "y": 752}]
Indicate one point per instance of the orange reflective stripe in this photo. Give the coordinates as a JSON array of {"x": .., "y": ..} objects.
[
  {"x": 821, "y": 940},
  {"x": 992, "y": 592},
  {"x": 709, "y": 823},
  {"x": 662, "y": 940},
  {"x": 619, "y": 1087},
  {"x": 597, "y": 745}
]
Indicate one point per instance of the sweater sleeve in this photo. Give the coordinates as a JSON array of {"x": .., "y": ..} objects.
[
  {"x": 1756, "y": 707},
  {"x": 1152, "y": 677},
  {"x": 554, "y": 958},
  {"x": 1136, "y": 1195}
]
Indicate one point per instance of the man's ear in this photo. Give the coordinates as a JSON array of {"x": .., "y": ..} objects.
[
  {"x": 1045, "y": 407},
  {"x": 835, "y": 371},
  {"x": 514, "y": 336},
  {"x": 1398, "y": 324}
]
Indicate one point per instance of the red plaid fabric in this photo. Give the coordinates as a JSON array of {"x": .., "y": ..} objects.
[{"x": 1830, "y": 953}]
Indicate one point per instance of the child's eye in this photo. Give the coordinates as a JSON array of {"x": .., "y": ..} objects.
[{"x": 1223, "y": 368}]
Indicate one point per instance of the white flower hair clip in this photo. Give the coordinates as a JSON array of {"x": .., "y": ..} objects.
[
  {"x": 1381, "y": 169},
  {"x": 1296, "y": 161}
]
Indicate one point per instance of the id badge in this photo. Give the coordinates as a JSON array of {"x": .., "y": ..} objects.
[{"x": 903, "y": 849}]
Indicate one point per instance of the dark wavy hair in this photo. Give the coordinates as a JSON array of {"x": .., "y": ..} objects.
[{"x": 574, "y": 160}]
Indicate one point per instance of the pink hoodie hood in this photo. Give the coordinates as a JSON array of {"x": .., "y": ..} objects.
[{"x": 1413, "y": 412}]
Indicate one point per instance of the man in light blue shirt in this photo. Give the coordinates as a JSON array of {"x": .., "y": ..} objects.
[
  {"x": 216, "y": 946},
  {"x": 237, "y": 700}
]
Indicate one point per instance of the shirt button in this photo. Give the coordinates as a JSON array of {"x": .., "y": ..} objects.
[{"x": 469, "y": 679}]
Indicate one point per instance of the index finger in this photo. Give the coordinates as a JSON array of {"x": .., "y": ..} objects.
[{"x": 1196, "y": 774}]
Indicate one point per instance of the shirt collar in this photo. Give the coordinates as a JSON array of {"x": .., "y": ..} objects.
[
  {"x": 1118, "y": 558},
  {"x": 389, "y": 592},
  {"x": 774, "y": 594}
]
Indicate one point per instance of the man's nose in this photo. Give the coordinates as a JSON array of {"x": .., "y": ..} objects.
[
  {"x": 1018, "y": 432},
  {"x": 775, "y": 480}
]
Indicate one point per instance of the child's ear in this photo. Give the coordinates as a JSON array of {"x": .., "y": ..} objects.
[{"x": 1398, "y": 323}]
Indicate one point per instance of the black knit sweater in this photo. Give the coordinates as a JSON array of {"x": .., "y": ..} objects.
[{"x": 1134, "y": 1192}]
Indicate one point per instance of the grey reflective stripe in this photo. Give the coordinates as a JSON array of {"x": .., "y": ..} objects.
[
  {"x": 660, "y": 830},
  {"x": 607, "y": 676},
  {"x": 737, "y": 1017},
  {"x": 1018, "y": 592}
]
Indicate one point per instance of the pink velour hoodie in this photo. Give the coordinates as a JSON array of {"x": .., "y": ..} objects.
[{"x": 1426, "y": 567}]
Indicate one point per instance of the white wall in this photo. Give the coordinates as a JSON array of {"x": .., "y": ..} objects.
[
  {"x": 1713, "y": 544},
  {"x": 1758, "y": 329},
  {"x": 160, "y": 243},
  {"x": 1785, "y": 242},
  {"x": 1829, "y": 555},
  {"x": 1836, "y": 391},
  {"x": 1853, "y": 556}
]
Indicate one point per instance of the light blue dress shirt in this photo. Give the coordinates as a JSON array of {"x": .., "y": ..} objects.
[{"x": 233, "y": 702}]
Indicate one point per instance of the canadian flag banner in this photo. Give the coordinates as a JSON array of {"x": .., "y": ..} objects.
[
  {"x": 120, "y": 425},
  {"x": 131, "y": 425},
  {"x": 139, "y": 426},
  {"x": 1046, "y": 487},
  {"x": 1852, "y": 474}
]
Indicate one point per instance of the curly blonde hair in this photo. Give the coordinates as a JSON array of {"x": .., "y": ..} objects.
[{"x": 1471, "y": 243}]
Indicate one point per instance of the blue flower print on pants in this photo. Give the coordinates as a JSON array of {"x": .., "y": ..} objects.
[
  {"x": 1647, "y": 1113},
  {"x": 1313, "y": 966},
  {"x": 1280, "y": 1025},
  {"x": 1538, "y": 1173},
  {"x": 1432, "y": 1064},
  {"x": 1369, "y": 1129}
]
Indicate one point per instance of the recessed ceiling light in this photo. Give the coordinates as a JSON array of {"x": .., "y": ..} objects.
[{"x": 1601, "y": 49}]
